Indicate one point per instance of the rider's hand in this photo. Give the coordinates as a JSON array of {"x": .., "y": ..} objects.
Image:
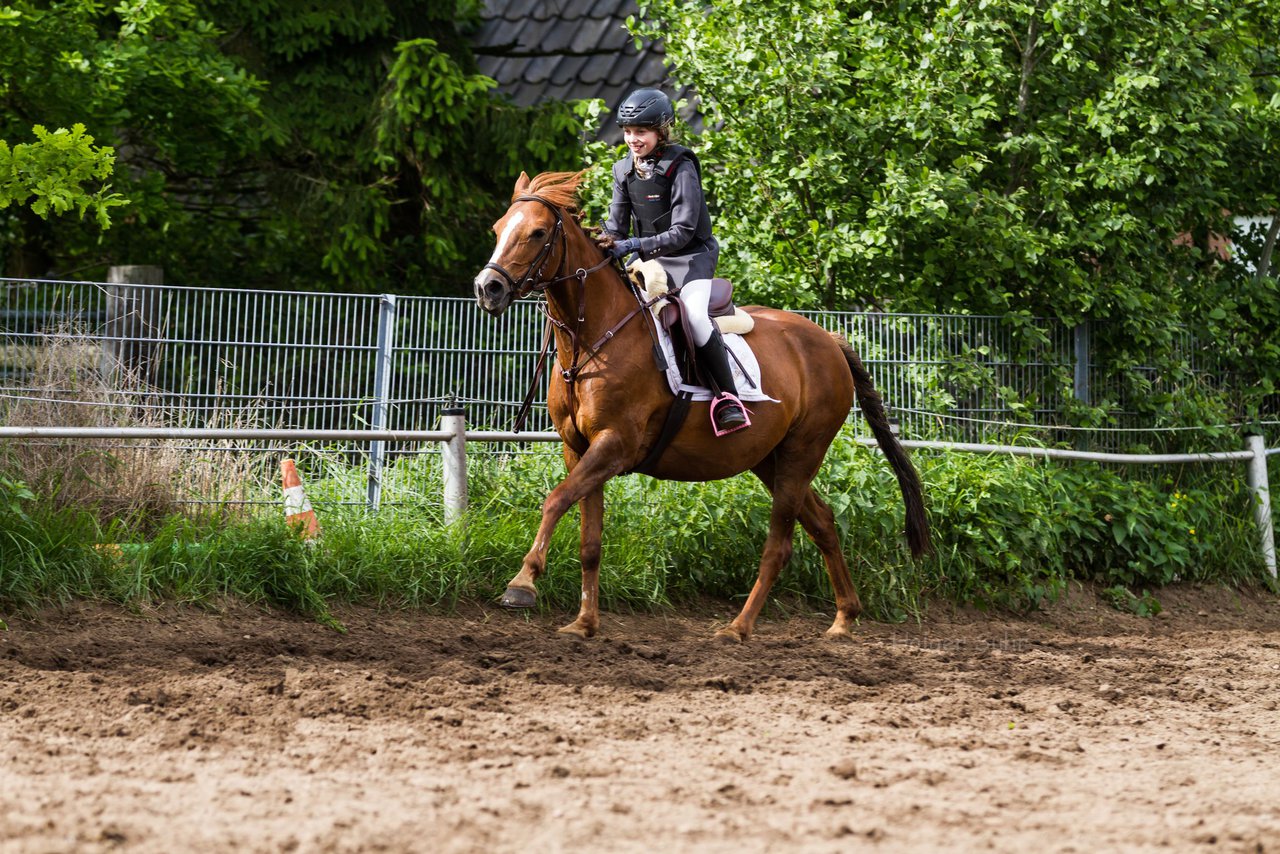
[{"x": 623, "y": 248}]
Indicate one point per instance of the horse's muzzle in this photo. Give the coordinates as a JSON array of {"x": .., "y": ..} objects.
[{"x": 492, "y": 293}]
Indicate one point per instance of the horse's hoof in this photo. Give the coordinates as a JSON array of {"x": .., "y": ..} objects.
[
  {"x": 837, "y": 635},
  {"x": 519, "y": 597},
  {"x": 842, "y": 626},
  {"x": 577, "y": 630},
  {"x": 728, "y": 635}
]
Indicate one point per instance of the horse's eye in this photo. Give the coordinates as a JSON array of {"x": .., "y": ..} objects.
[{"x": 538, "y": 234}]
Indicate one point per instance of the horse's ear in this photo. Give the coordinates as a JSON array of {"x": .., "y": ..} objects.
[{"x": 522, "y": 183}]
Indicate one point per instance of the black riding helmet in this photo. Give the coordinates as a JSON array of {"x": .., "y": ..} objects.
[{"x": 649, "y": 108}]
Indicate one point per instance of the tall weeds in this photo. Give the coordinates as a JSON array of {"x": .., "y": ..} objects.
[
  {"x": 138, "y": 482},
  {"x": 1009, "y": 532}
]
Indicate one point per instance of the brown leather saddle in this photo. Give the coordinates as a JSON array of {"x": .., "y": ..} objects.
[
  {"x": 721, "y": 305},
  {"x": 672, "y": 318}
]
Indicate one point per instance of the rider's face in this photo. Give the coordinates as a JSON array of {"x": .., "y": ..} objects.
[{"x": 640, "y": 140}]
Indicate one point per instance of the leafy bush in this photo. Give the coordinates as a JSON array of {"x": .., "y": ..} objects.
[{"x": 1010, "y": 532}]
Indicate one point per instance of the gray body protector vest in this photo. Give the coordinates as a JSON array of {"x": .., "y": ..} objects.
[{"x": 651, "y": 198}]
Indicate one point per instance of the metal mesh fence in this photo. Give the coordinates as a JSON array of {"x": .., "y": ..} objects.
[{"x": 212, "y": 356}]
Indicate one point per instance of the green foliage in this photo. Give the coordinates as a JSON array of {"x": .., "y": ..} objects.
[
  {"x": 991, "y": 156},
  {"x": 1122, "y": 599},
  {"x": 151, "y": 82},
  {"x": 340, "y": 146},
  {"x": 12, "y": 494},
  {"x": 43, "y": 554},
  {"x": 52, "y": 172},
  {"x": 1061, "y": 158}
]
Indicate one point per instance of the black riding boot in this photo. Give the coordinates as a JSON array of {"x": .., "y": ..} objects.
[{"x": 728, "y": 413}]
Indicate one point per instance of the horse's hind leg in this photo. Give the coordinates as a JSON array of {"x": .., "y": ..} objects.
[
  {"x": 788, "y": 501},
  {"x": 777, "y": 551},
  {"x": 818, "y": 521},
  {"x": 820, "y": 524},
  {"x": 591, "y": 509}
]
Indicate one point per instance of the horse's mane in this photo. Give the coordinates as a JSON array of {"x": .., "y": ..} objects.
[{"x": 559, "y": 188}]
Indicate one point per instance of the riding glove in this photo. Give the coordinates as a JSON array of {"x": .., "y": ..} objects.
[{"x": 623, "y": 248}]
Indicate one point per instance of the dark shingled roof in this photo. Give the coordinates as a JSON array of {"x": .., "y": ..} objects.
[{"x": 541, "y": 50}]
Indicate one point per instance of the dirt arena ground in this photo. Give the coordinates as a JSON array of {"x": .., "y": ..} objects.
[{"x": 1079, "y": 729}]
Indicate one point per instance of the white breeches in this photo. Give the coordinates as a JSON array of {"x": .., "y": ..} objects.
[{"x": 696, "y": 296}]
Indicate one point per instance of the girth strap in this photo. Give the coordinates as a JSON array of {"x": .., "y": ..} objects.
[{"x": 675, "y": 420}]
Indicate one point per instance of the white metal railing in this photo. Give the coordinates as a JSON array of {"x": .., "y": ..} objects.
[{"x": 455, "y": 437}]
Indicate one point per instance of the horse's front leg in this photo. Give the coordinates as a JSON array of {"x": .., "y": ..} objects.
[
  {"x": 591, "y": 509},
  {"x": 601, "y": 461}
]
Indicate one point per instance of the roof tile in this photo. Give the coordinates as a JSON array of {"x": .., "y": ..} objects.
[
  {"x": 538, "y": 70},
  {"x": 626, "y": 67},
  {"x": 567, "y": 72},
  {"x": 596, "y": 70},
  {"x": 572, "y": 49},
  {"x": 599, "y": 34},
  {"x": 576, "y": 10}
]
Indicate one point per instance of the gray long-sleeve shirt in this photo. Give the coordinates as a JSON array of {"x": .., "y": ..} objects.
[{"x": 686, "y": 249}]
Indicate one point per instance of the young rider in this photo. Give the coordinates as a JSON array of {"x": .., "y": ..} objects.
[{"x": 658, "y": 187}]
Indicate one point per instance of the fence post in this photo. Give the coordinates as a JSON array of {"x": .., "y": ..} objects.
[
  {"x": 454, "y": 420},
  {"x": 127, "y": 355},
  {"x": 1080, "y": 379},
  {"x": 381, "y": 395},
  {"x": 1261, "y": 489},
  {"x": 1080, "y": 385}
]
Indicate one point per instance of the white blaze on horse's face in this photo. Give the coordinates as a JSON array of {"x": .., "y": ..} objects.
[
  {"x": 493, "y": 292},
  {"x": 505, "y": 237}
]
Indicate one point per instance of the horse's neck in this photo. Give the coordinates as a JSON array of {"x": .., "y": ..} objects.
[
  {"x": 612, "y": 337},
  {"x": 603, "y": 302}
]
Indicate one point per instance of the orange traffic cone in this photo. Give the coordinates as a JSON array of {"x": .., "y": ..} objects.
[{"x": 297, "y": 509}]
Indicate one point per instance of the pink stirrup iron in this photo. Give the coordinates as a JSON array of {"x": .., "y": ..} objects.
[{"x": 720, "y": 401}]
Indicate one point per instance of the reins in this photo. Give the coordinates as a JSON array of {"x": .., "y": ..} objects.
[
  {"x": 532, "y": 282},
  {"x": 680, "y": 406}
]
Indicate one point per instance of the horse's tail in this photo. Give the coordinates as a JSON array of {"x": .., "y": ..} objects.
[{"x": 908, "y": 480}]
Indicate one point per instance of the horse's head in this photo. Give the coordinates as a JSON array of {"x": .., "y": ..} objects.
[{"x": 531, "y": 240}]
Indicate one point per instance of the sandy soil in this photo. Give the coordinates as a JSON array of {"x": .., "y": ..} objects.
[{"x": 1081, "y": 729}]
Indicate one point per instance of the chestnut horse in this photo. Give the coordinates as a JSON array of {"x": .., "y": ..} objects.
[{"x": 609, "y": 403}]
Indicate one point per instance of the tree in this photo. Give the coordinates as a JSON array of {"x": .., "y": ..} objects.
[
  {"x": 1012, "y": 157},
  {"x": 395, "y": 156},
  {"x": 147, "y": 79},
  {"x": 980, "y": 157},
  {"x": 338, "y": 145}
]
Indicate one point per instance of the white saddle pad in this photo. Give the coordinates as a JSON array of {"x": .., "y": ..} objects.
[{"x": 749, "y": 384}]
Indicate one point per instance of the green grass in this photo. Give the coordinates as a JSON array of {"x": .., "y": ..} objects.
[{"x": 1009, "y": 532}]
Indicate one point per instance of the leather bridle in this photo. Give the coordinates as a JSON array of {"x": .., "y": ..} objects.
[
  {"x": 532, "y": 282},
  {"x": 532, "y": 279}
]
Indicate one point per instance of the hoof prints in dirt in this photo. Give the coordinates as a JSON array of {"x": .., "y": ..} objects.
[{"x": 489, "y": 732}]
